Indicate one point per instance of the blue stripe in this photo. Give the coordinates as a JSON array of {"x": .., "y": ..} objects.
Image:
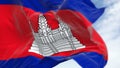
[
  {"x": 17, "y": 2},
  {"x": 20, "y": 62},
  {"x": 86, "y": 7},
  {"x": 31, "y": 62},
  {"x": 42, "y": 5},
  {"x": 86, "y": 60},
  {"x": 90, "y": 60},
  {"x": 36, "y": 5}
]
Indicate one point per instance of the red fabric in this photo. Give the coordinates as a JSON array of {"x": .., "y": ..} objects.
[{"x": 33, "y": 18}]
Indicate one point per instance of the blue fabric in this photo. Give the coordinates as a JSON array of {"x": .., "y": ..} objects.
[
  {"x": 25, "y": 62},
  {"x": 86, "y": 7},
  {"x": 42, "y": 5},
  {"x": 90, "y": 60},
  {"x": 17, "y": 2},
  {"x": 31, "y": 62},
  {"x": 36, "y": 5},
  {"x": 49, "y": 62},
  {"x": 86, "y": 60}
]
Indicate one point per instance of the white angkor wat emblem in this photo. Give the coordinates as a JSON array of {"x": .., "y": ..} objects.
[{"x": 48, "y": 42}]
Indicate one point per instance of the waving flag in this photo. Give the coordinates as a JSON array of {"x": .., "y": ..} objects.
[{"x": 16, "y": 36}]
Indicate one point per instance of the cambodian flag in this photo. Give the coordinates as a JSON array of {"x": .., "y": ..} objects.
[{"x": 16, "y": 36}]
